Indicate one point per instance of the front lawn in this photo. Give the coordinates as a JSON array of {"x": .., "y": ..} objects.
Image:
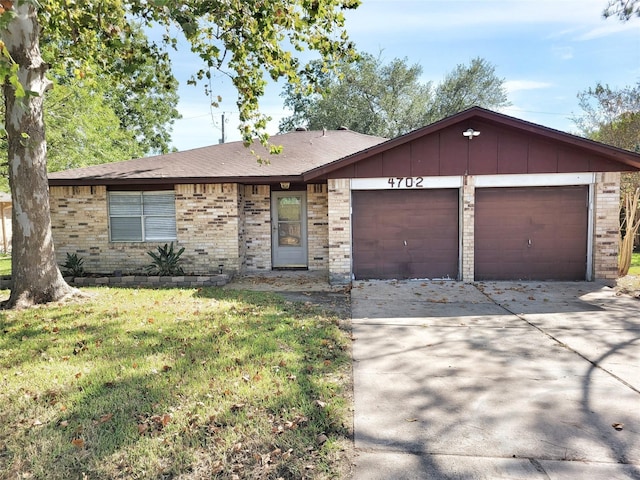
[
  {"x": 175, "y": 383},
  {"x": 635, "y": 264},
  {"x": 5, "y": 264}
]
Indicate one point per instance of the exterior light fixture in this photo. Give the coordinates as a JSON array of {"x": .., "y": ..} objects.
[
  {"x": 470, "y": 133},
  {"x": 285, "y": 185},
  {"x": 220, "y": 267}
]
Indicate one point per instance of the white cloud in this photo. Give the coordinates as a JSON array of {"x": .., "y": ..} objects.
[
  {"x": 520, "y": 85},
  {"x": 563, "y": 53}
]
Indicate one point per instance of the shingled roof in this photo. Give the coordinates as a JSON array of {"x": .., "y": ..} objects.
[{"x": 227, "y": 162}]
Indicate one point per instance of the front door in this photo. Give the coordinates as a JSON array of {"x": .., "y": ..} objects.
[{"x": 289, "y": 229}]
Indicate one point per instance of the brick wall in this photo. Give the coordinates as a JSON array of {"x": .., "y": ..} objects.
[
  {"x": 208, "y": 226},
  {"x": 257, "y": 227},
  {"x": 80, "y": 224},
  {"x": 468, "y": 226},
  {"x": 318, "y": 226},
  {"x": 339, "y": 208},
  {"x": 606, "y": 226}
]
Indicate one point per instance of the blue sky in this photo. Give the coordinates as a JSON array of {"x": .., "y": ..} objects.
[{"x": 546, "y": 50}]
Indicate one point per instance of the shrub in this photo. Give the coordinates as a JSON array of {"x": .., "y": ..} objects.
[
  {"x": 166, "y": 261},
  {"x": 73, "y": 266}
]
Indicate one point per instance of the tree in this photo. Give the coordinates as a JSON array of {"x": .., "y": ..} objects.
[
  {"x": 470, "y": 85},
  {"x": 249, "y": 40},
  {"x": 613, "y": 117},
  {"x": 82, "y": 129},
  {"x": 623, "y": 9},
  {"x": 371, "y": 97}
]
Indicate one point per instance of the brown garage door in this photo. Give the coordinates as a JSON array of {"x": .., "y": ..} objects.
[
  {"x": 537, "y": 233},
  {"x": 405, "y": 234}
]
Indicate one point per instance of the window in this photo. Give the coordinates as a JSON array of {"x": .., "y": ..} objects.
[{"x": 142, "y": 216}]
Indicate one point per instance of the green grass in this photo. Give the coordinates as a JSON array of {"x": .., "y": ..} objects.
[
  {"x": 635, "y": 264},
  {"x": 5, "y": 264},
  {"x": 207, "y": 383}
]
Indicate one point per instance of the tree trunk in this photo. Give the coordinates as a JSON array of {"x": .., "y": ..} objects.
[
  {"x": 36, "y": 276},
  {"x": 631, "y": 224}
]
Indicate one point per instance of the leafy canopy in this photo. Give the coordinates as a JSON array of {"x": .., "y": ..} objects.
[
  {"x": 612, "y": 116},
  {"x": 249, "y": 41},
  {"x": 388, "y": 100}
]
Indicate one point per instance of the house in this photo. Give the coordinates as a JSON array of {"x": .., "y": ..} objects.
[
  {"x": 476, "y": 196},
  {"x": 5, "y": 221}
]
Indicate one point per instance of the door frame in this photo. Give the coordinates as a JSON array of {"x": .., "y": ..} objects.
[{"x": 301, "y": 259}]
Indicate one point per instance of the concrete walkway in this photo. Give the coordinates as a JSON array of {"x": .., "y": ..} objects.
[{"x": 495, "y": 381}]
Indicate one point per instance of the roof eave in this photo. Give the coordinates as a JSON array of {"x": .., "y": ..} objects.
[{"x": 114, "y": 182}]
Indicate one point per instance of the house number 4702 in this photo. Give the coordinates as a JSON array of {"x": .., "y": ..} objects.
[{"x": 405, "y": 182}]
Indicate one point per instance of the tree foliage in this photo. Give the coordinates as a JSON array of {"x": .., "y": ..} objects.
[
  {"x": 250, "y": 41},
  {"x": 372, "y": 97},
  {"x": 612, "y": 116},
  {"x": 623, "y": 9}
]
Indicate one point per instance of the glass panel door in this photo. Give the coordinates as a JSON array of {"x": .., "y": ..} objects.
[{"x": 289, "y": 222}]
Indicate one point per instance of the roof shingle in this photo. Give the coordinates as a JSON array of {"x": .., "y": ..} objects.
[{"x": 302, "y": 151}]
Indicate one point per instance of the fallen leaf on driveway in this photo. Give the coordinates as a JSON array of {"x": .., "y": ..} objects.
[
  {"x": 618, "y": 426},
  {"x": 411, "y": 419}
]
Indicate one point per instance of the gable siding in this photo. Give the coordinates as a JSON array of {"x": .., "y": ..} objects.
[{"x": 498, "y": 150}]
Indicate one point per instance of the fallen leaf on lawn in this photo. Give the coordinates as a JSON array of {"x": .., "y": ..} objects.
[
  {"x": 150, "y": 320},
  {"x": 105, "y": 418},
  {"x": 618, "y": 426},
  {"x": 78, "y": 375},
  {"x": 142, "y": 428},
  {"x": 78, "y": 442},
  {"x": 320, "y": 403},
  {"x": 217, "y": 467},
  {"x": 64, "y": 423},
  {"x": 36, "y": 423},
  {"x": 166, "y": 368},
  {"x": 321, "y": 439},
  {"x": 237, "y": 406}
]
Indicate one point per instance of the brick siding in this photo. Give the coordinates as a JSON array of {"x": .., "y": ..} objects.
[
  {"x": 257, "y": 227},
  {"x": 468, "y": 226},
  {"x": 318, "y": 226},
  {"x": 339, "y": 206},
  {"x": 606, "y": 226}
]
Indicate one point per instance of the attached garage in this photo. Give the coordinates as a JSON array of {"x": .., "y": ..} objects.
[
  {"x": 405, "y": 233},
  {"x": 531, "y": 233},
  {"x": 476, "y": 196}
]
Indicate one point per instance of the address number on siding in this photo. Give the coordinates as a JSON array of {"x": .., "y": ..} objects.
[{"x": 405, "y": 182}]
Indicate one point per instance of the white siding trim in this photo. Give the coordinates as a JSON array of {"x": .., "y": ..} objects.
[
  {"x": 535, "y": 180},
  {"x": 590, "y": 230}
]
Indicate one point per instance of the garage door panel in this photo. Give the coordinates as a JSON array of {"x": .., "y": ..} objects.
[
  {"x": 405, "y": 234},
  {"x": 537, "y": 233}
]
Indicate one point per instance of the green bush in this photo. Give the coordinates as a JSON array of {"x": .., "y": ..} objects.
[
  {"x": 166, "y": 261},
  {"x": 73, "y": 266}
]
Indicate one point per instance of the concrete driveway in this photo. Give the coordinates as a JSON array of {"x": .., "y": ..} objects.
[{"x": 495, "y": 381}]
